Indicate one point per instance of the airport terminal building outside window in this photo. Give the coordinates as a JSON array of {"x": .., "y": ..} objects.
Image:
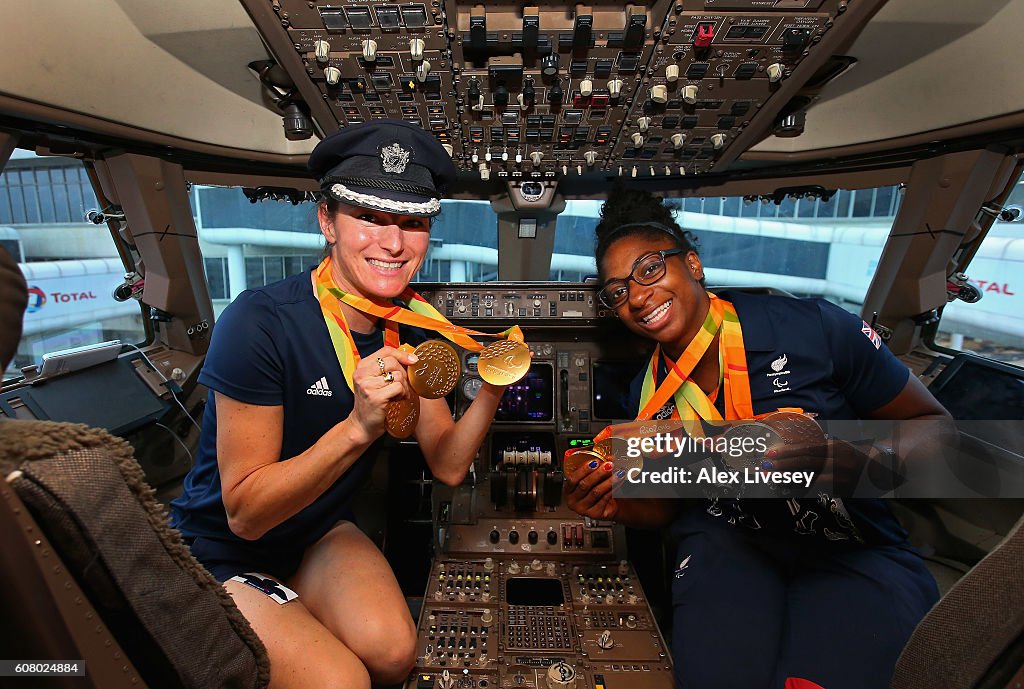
[{"x": 807, "y": 247}]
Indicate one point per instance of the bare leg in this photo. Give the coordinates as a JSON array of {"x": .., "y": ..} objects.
[
  {"x": 303, "y": 653},
  {"x": 347, "y": 584}
]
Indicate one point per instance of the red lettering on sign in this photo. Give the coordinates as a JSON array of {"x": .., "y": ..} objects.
[
  {"x": 72, "y": 296},
  {"x": 997, "y": 287}
]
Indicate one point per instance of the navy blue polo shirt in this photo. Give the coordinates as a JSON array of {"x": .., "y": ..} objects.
[
  {"x": 809, "y": 353},
  {"x": 271, "y": 346}
]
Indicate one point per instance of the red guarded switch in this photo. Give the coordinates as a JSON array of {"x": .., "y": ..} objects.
[{"x": 705, "y": 34}]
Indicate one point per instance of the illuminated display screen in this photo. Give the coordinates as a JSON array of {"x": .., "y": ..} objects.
[
  {"x": 531, "y": 399},
  {"x": 611, "y": 389}
]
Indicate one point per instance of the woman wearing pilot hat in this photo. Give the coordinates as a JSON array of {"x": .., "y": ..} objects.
[{"x": 301, "y": 382}]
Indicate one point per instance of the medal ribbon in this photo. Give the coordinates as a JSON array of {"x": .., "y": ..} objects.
[
  {"x": 691, "y": 403},
  {"x": 337, "y": 326},
  {"x": 420, "y": 314}
]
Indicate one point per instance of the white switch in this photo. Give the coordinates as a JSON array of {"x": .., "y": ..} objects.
[
  {"x": 322, "y": 50},
  {"x": 416, "y": 47},
  {"x": 369, "y": 50}
]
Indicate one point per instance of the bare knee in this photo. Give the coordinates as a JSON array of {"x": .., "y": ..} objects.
[
  {"x": 395, "y": 653},
  {"x": 289, "y": 674}
]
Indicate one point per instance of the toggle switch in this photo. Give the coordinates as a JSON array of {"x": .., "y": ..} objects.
[
  {"x": 322, "y": 49},
  {"x": 416, "y": 46},
  {"x": 369, "y": 50}
]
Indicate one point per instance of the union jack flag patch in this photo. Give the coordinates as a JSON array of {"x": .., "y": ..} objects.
[{"x": 870, "y": 333}]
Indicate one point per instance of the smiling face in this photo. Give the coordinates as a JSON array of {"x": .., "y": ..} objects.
[
  {"x": 375, "y": 254},
  {"x": 672, "y": 310}
]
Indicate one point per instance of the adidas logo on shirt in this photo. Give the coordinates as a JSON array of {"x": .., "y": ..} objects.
[{"x": 319, "y": 388}]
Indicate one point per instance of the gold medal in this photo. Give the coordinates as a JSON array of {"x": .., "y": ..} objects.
[
  {"x": 795, "y": 429},
  {"x": 746, "y": 445},
  {"x": 504, "y": 362},
  {"x": 401, "y": 416},
  {"x": 577, "y": 457},
  {"x": 436, "y": 372},
  {"x": 615, "y": 450}
]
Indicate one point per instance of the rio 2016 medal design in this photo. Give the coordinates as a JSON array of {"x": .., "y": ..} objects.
[
  {"x": 577, "y": 457},
  {"x": 504, "y": 362},
  {"x": 743, "y": 455},
  {"x": 795, "y": 429},
  {"x": 401, "y": 417},
  {"x": 436, "y": 372}
]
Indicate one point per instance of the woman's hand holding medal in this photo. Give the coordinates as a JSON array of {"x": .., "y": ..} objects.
[{"x": 380, "y": 381}]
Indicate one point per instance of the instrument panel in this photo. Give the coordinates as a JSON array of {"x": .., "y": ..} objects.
[
  {"x": 524, "y": 592},
  {"x": 528, "y": 91}
]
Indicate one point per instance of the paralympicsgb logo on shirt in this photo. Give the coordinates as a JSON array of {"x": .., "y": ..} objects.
[{"x": 319, "y": 388}]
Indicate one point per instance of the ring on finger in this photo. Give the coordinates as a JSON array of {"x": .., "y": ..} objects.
[
  {"x": 380, "y": 363},
  {"x": 389, "y": 377}
]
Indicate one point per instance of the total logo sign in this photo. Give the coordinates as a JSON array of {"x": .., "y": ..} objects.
[
  {"x": 992, "y": 286},
  {"x": 37, "y": 298}
]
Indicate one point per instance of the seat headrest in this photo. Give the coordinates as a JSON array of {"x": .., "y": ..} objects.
[{"x": 13, "y": 300}]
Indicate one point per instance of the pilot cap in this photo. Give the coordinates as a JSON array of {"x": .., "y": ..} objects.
[{"x": 384, "y": 165}]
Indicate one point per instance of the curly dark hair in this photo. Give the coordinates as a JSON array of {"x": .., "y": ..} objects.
[{"x": 635, "y": 212}]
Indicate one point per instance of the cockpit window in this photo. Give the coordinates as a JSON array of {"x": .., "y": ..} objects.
[
  {"x": 807, "y": 246},
  {"x": 71, "y": 264},
  {"x": 989, "y": 322}
]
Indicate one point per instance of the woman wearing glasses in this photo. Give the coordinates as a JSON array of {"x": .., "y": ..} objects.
[{"x": 765, "y": 589}]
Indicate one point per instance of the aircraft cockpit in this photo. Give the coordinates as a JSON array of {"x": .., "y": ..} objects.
[{"x": 862, "y": 152}]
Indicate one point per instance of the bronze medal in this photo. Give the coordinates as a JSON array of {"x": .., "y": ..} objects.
[
  {"x": 577, "y": 457},
  {"x": 739, "y": 455},
  {"x": 401, "y": 416},
  {"x": 795, "y": 429},
  {"x": 436, "y": 372},
  {"x": 504, "y": 362}
]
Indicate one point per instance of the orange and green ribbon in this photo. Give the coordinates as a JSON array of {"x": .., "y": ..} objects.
[
  {"x": 691, "y": 403},
  {"x": 337, "y": 326},
  {"x": 420, "y": 314}
]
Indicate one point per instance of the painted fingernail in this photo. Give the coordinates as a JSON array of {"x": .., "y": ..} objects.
[
  {"x": 621, "y": 473},
  {"x": 593, "y": 465},
  {"x": 767, "y": 464},
  {"x": 771, "y": 453},
  {"x": 608, "y": 466}
]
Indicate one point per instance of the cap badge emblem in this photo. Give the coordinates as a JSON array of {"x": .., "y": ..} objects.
[{"x": 394, "y": 158}]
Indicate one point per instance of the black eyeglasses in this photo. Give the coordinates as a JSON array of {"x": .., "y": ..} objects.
[{"x": 647, "y": 270}]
